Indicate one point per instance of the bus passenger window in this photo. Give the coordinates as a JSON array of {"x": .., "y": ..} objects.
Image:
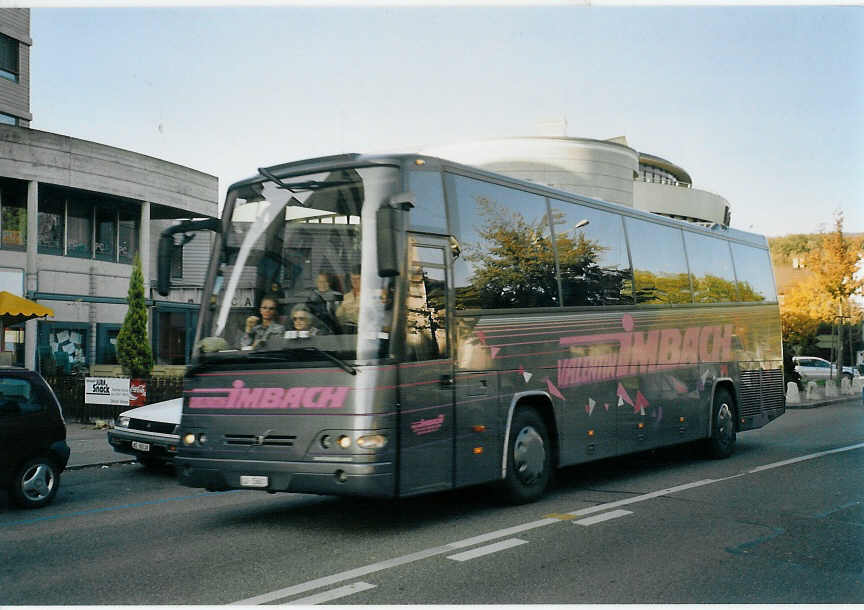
[
  {"x": 660, "y": 273},
  {"x": 710, "y": 269},
  {"x": 755, "y": 277},
  {"x": 508, "y": 258},
  {"x": 592, "y": 255}
]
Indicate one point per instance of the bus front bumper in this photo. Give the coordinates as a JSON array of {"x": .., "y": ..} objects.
[{"x": 328, "y": 478}]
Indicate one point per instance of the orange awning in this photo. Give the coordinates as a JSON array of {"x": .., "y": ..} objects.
[{"x": 15, "y": 309}]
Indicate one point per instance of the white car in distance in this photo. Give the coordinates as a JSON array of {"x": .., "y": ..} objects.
[{"x": 812, "y": 368}]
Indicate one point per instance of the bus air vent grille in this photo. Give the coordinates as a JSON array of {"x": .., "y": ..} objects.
[
  {"x": 249, "y": 440},
  {"x": 773, "y": 396},
  {"x": 767, "y": 384}
]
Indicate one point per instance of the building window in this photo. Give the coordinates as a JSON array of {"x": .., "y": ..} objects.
[
  {"x": 85, "y": 225},
  {"x": 8, "y": 119},
  {"x": 52, "y": 212},
  {"x": 127, "y": 242},
  {"x": 8, "y": 58},
  {"x": 106, "y": 233},
  {"x": 79, "y": 231},
  {"x": 13, "y": 214},
  {"x": 175, "y": 329},
  {"x": 62, "y": 347},
  {"x": 106, "y": 343}
]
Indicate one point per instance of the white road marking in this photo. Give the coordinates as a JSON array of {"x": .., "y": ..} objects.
[
  {"x": 503, "y": 533},
  {"x": 604, "y": 517},
  {"x": 804, "y": 458},
  {"x": 327, "y": 596},
  {"x": 487, "y": 550}
]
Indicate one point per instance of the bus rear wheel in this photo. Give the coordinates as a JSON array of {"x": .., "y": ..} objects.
[
  {"x": 721, "y": 443},
  {"x": 528, "y": 458}
]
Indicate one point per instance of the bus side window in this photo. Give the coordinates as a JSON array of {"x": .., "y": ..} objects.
[
  {"x": 660, "y": 271},
  {"x": 755, "y": 277}
]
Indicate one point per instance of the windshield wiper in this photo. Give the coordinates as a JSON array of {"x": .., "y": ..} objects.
[
  {"x": 308, "y": 185},
  {"x": 338, "y": 361}
]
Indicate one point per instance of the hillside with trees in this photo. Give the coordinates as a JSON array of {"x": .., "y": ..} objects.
[{"x": 821, "y": 282}]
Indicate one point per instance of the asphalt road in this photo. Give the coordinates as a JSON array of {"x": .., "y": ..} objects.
[{"x": 782, "y": 521}]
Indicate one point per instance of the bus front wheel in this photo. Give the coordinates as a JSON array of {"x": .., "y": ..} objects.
[
  {"x": 721, "y": 443},
  {"x": 528, "y": 458}
]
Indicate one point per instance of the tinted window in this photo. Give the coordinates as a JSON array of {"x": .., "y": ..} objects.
[
  {"x": 507, "y": 257},
  {"x": 710, "y": 269},
  {"x": 595, "y": 269},
  {"x": 755, "y": 278},
  {"x": 659, "y": 267},
  {"x": 17, "y": 396},
  {"x": 429, "y": 213}
]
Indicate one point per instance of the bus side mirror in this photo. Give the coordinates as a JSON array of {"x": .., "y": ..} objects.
[
  {"x": 166, "y": 248},
  {"x": 390, "y": 221},
  {"x": 163, "y": 264}
]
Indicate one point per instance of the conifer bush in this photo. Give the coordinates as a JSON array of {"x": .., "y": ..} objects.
[{"x": 133, "y": 345}]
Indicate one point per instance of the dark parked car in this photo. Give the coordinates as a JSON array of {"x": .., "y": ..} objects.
[{"x": 33, "y": 449}]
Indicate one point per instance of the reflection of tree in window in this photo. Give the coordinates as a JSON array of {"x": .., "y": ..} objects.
[
  {"x": 585, "y": 280},
  {"x": 426, "y": 336},
  {"x": 514, "y": 263}
]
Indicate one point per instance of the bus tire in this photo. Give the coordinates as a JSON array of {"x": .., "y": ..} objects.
[
  {"x": 721, "y": 443},
  {"x": 528, "y": 458}
]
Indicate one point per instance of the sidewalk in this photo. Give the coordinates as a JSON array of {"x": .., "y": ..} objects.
[{"x": 89, "y": 447}]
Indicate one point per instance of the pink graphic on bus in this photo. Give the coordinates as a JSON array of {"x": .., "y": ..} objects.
[
  {"x": 632, "y": 352},
  {"x": 241, "y": 397},
  {"x": 426, "y": 426}
]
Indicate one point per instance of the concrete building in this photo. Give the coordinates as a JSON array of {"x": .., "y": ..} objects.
[
  {"x": 73, "y": 215},
  {"x": 602, "y": 169}
]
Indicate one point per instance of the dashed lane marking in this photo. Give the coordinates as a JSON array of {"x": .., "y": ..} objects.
[
  {"x": 487, "y": 550},
  {"x": 603, "y": 517},
  {"x": 328, "y": 596}
]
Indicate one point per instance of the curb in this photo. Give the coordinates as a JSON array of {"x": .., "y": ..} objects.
[
  {"x": 821, "y": 403},
  {"x": 98, "y": 464}
]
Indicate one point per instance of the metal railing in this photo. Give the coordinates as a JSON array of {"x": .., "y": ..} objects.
[{"x": 70, "y": 392}]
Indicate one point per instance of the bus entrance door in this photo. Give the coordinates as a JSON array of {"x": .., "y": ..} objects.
[{"x": 426, "y": 375}]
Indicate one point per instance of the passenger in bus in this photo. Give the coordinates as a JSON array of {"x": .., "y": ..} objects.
[
  {"x": 326, "y": 289},
  {"x": 304, "y": 320},
  {"x": 258, "y": 332},
  {"x": 347, "y": 311}
]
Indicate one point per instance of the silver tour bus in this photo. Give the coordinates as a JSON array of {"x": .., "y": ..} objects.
[{"x": 387, "y": 326}]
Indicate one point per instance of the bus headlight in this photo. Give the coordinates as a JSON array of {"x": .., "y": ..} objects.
[
  {"x": 344, "y": 441},
  {"x": 189, "y": 439},
  {"x": 372, "y": 441}
]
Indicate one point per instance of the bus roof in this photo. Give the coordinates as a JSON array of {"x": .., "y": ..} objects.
[{"x": 349, "y": 160}]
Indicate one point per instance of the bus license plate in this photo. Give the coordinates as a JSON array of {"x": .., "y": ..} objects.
[
  {"x": 141, "y": 446},
  {"x": 250, "y": 481}
]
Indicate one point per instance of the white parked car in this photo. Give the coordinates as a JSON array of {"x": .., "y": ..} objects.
[
  {"x": 816, "y": 369},
  {"x": 149, "y": 433}
]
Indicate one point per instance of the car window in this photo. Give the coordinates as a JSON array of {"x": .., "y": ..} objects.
[{"x": 17, "y": 397}]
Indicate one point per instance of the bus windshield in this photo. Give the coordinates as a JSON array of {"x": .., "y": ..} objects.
[{"x": 297, "y": 277}]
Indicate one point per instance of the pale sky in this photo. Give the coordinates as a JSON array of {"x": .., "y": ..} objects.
[{"x": 761, "y": 105}]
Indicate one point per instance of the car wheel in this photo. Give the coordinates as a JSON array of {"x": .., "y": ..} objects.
[
  {"x": 528, "y": 458},
  {"x": 35, "y": 483},
  {"x": 721, "y": 443}
]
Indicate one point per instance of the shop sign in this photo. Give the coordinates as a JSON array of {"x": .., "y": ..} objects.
[{"x": 106, "y": 391}]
